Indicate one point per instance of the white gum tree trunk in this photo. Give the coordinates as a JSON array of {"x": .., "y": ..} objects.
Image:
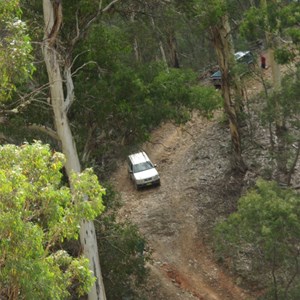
[
  {"x": 53, "y": 17},
  {"x": 160, "y": 43}
]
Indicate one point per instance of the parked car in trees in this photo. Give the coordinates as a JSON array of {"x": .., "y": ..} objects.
[{"x": 244, "y": 57}]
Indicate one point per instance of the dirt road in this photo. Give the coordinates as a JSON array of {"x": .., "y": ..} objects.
[{"x": 177, "y": 218}]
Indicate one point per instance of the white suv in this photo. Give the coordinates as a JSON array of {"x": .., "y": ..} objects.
[{"x": 142, "y": 171}]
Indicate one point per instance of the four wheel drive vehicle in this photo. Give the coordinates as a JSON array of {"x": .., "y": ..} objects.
[
  {"x": 243, "y": 57},
  {"x": 142, "y": 171}
]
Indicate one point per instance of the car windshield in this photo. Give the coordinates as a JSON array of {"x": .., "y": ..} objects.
[{"x": 142, "y": 167}]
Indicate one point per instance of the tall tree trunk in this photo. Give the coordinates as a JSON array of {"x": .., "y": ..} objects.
[
  {"x": 135, "y": 41},
  {"x": 173, "y": 49},
  {"x": 53, "y": 18},
  {"x": 222, "y": 43},
  {"x": 273, "y": 42},
  {"x": 280, "y": 124},
  {"x": 163, "y": 53},
  {"x": 160, "y": 43}
]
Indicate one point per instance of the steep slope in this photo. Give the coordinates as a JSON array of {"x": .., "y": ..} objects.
[{"x": 177, "y": 218}]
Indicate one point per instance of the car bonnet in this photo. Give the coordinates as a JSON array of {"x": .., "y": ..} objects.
[{"x": 146, "y": 174}]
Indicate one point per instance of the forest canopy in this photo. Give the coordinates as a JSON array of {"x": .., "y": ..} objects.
[{"x": 91, "y": 80}]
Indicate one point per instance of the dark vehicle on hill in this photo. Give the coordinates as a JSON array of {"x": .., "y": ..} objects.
[{"x": 243, "y": 57}]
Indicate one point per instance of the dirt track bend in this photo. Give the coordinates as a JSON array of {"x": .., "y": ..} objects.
[{"x": 177, "y": 217}]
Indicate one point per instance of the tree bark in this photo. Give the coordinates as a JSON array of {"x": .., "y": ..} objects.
[
  {"x": 222, "y": 44},
  {"x": 135, "y": 41},
  {"x": 172, "y": 44},
  {"x": 273, "y": 42},
  {"x": 281, "y": 129},
  {"x": 53, "y": 18}
]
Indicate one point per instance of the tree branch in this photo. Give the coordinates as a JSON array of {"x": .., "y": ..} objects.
[
  {"x": 85, "y": 64},
  {"x": 76, "y": 38},
  {"x": 57, "y": 10},
  {"x": 77, "y": 57},
  {"x": 90, "y": 137},
  {"x": 22, "y": 102},
  {"x": 70, "y": 88},
  {"x": 91, "y": 21},
  {"x": 5, "y": 138},
  {"x": 44, "y": 129},
  {"x": 108, "y": 6}
]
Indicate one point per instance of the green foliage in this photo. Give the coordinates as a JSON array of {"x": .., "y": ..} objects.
[
  {"x": 273, "y": 19},
  {"x": 253, "y": 24},
  {"x": 38, "y": 213},
  {"x": 15, "y": 49},
  {"x": 123, "y": 259},
  {"x": 294, "y": 33},
  {"x": 127, "y": 100},
  {"x": 117, "y": 97},
  {"x": 206, "y": 100},
  {"x": 267, "y": 225},
  {"x": 122, "y": 253},
  {"x": 288, "y": 97},
  {"x": 284, "y": 56},
  {"x": 284, "y": 105},
  {"x": 170, "y": 91},
  {"x": 290, "y": 15},
  {"x": 210, "y": 12},
  {"x": 114, "y": 48}
]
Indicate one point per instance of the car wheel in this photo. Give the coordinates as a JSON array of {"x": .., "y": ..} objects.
[{"x": 137, "y": 187}]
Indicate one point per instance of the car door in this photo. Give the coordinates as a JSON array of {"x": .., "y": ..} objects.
[{"x": 129, "y": 166}]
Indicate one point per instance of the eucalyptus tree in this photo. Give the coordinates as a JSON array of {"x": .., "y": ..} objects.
[
  {"x": 265, "y": 228},
  {"x": 60, "y": 78},
  {"x": 15, "y": 49},
  {"x": 38, "y": 213},
  {"x": 214, "y": 16}
]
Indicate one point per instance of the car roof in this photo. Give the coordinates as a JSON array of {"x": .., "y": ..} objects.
[
  {"x": 238, "y": 55},
  {"x": 138, "y": 157},
  {"x": 216, "y": 75}
]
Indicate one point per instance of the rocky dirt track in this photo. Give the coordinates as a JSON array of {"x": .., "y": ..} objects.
[{"x": 177, "y": 218}]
